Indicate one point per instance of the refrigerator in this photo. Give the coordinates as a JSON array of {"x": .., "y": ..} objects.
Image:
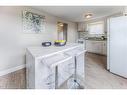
[{"x": 117, "y": 45}]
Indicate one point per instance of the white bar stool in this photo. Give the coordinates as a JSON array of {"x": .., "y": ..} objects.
[
  {"x": 74, "y": 80},
  {"x": 53, "y": 61}
]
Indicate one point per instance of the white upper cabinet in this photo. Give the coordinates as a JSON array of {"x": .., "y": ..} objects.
[
  {"x": 81, "y": 27},
  {"x": 96, "y": 28}
]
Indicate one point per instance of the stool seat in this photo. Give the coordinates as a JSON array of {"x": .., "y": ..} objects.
[
  {"x": 53, "y": 61},
  {"x": 76, "y": 52},
  {"x": 74, "y": 82}
]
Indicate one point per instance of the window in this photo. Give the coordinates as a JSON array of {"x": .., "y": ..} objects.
[{"x": 96, "y": 28}]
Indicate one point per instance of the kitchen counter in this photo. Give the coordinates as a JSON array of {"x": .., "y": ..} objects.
[
  {"x": 96, "y": 39},
  {"x": 39, "y": 76},
  {"x": 51, "y": 50}
]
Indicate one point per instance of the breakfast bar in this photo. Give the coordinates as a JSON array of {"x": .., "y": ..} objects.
[{"x": 49, "y": 67}]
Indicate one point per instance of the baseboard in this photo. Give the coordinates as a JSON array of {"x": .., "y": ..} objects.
[{"x": 5, "y": 72}]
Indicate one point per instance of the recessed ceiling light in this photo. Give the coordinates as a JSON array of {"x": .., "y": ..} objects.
[
  {"x": 88, "y": 15},
  {"x": 60, "y": 24}
]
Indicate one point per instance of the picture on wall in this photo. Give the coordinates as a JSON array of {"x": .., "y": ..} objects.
[{"x": 33, "y": 23}]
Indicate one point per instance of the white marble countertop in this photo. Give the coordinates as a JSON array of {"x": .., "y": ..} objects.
[{"x": 40, "y": 51}]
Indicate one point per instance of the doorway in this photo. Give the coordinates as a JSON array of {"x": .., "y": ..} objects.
[{"x": 62, "y": 31}]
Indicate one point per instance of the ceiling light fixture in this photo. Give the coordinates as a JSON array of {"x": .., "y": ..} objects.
[
  {"x": 88, "y": 15},
  {"x": 60, "y": 24}
]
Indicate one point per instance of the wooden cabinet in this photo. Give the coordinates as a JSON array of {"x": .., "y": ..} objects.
[
  {"x": 98, "y": 47},
  {"x": 81, "y": 27}
]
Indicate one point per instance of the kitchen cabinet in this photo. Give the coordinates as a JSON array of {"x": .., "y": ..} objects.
[
  {"x": 104, "y": 47},
  {"x": 98, "y": 47},
  {"x": 81, "y": 27}
]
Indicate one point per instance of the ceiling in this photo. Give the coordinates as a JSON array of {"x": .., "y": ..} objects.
[{"x": 76, "y": 13}]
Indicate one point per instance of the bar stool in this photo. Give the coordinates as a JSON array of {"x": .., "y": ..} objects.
[
  {"x": 73, "y": 82},
  {"x": 53, "y": 62}
]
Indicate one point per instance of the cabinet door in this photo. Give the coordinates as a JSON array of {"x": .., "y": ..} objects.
[
  {"x": 81, "y": 27},
  {"x": 97, "y": 47},
  {"x": 94, "y": 46},
  {"x": 105, "y": 48},
  {"x": 89, "y": 46}
]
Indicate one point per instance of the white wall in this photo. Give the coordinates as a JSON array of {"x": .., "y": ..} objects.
[{"x": 13, "y": 41}]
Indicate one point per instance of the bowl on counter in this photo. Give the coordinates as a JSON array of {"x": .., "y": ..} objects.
[
  {"x": 45, "y": 44},
  {"x": 60, "y": 43}
]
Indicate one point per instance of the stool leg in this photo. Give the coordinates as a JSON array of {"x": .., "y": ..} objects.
[
  {"x": 56, "y": 77},
  {"x": 75, "y": 73}
]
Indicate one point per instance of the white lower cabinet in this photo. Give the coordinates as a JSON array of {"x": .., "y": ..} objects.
[
  {"x": 99, "y": 47},
  {"x": 105, "y": 47}
]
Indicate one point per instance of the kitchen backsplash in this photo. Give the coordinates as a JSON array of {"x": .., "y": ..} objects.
[{"x": 86, "y": 35}]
